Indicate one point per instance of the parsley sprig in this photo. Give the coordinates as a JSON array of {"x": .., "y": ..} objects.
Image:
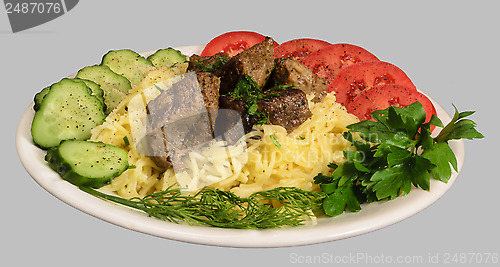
[{"x": 391, "y": 154}]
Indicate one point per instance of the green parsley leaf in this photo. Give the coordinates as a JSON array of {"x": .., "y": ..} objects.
[
  {"x": 441, "y": 155},
  {"x": 459, "y": 128},
  {"x": 391, "y": 182},
  {"x": 341, "y": 199},
  {"x": 418, "y": 169},
  {"x": 332, "y": 165},
  {"x": 322, "y": 179},
  {"x": 402, "y": 119},
  {"x": 375, "y": 132}
]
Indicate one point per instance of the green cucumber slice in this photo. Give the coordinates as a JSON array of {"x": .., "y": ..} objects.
[
  {"x": 68, "y": 111},
  {"x": 166, "y": 57},
  {"x": 127, "y": 63},
  {"x": 87, "y": 163},
  {"x": 115, "y": 86}
]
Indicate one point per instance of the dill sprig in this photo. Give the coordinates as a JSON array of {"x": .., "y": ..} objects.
[{"x": 283, "y": 206}]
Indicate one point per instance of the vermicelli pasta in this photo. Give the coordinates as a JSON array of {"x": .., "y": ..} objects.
[{"x": 294, "y": 159}]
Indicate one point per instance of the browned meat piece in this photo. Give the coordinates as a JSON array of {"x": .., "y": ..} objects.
[
  {"x": 292, "y": 72},
  {"x": 287, "y": 108},
  {"x": 209, "y": 85},
  {"x": 178, "y": 120},
  {"x": 257, "y": 62},
  {"x": 207, "y": 64}
]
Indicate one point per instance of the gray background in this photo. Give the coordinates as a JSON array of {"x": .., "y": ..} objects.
[{"x": 448, "y": 48}]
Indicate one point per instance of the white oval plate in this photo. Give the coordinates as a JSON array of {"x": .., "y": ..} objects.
[{"x": 373, "y": 216}]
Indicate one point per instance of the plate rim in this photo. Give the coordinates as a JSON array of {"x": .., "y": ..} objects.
[{"x": 373, "y": 216}]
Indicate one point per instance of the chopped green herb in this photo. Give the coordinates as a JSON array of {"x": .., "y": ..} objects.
[
  {"x": 252, "y": 110},
  {"x": 249, "y": 91},
  {"x": 174, "y": 65},
  {"x": 281, "y": 87},
  {"x": 301, "y": 138},
  {"x": 125, "y": 139},
  {"x": 263, "y": 118},
  {"x": 158, "y": 88},
  {"x": 275, "y": 142},
  {"x": 220, "y": 61}
]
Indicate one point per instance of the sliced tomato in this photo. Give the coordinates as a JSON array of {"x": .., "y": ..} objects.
[
  {"x": 328, "y": 61},
  {"x": 298, "y": 49},
  {"x": 354, "y": 79},
  {"x": 232, "y": 43},
  {"x": 386, "y": 95}
]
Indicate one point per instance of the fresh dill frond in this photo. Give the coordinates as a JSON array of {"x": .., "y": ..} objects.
[{"x": 224, "y": 209}]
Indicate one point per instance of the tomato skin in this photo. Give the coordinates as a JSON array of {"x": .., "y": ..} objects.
[
  {"x": 386, "y": 95},
  {"x": 298, "y": 49},
  {"x": 354, "y": 79},
  {"x": 232, "y": 43},
  {"x": 328, "y": 61}
]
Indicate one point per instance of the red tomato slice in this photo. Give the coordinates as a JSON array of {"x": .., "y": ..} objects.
[
  {"x": 356, "y": 78},
  {"x": 328, "y": 61},
  {"x": 386, "y": 95},
  {"x": 232, "y": 43},
  {"x": 298, "y": 49}
]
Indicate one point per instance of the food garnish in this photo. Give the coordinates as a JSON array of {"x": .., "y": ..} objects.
[
  {"x": 393, "y": 153},
  {"x": 85, "y": 163},
  {"x": 224, "y": 209},
  {"x": 69, "y": 110}
]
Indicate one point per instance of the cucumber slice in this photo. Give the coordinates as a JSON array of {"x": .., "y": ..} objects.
[
  {"x": 127, "y": 63},
  {"x": 68, "y": 111},
  {"x": 115, "y": 86},
  {"x": 94, "y": 87},
  {"x": 39, "y": 97},
  {"x": 86, "y": 163},
  {"x": 166, "y": 57}
]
